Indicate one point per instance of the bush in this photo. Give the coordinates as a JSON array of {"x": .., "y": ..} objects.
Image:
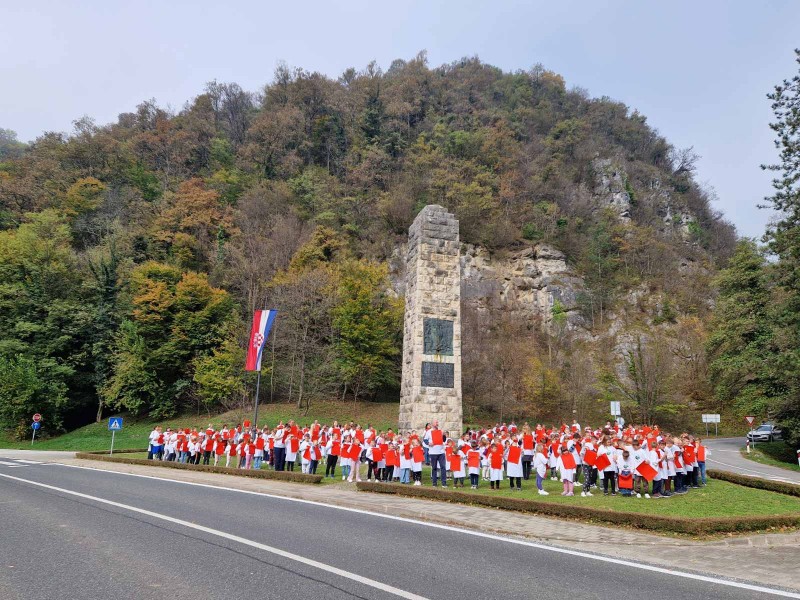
[
  {"x": 690, "y": 526},
  {"x": 789, "y": 489},
  {"x": 256, "y": 474}
]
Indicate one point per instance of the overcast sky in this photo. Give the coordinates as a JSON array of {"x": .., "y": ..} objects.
[{"x": 699, "y": 70}]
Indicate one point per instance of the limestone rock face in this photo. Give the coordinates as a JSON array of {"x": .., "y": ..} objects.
[
  {"x": 610, "y": 188},
  {"x": 527, "y": 283},
  {"x": 430, "y": 387}
]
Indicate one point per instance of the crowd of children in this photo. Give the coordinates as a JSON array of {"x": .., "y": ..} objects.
[{"x": 641, "y": 461}]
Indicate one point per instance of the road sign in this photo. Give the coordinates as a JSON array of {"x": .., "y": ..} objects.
[
  {"x": 615, "y": 409},
  {"x": 36, "y": 425},
  {"x": 749, "y": 420},
  {"x": 37, "y": 417},
  {"x": 114, "y": 425},
  {"x": 709, "y": 418}
]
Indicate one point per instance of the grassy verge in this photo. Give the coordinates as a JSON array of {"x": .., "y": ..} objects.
[
  {"x": 135, "y": 432},
  {"x": 717, "y": 499},
  {"x": 721, "y": 507},
  {"x": 776, "y": 454}
]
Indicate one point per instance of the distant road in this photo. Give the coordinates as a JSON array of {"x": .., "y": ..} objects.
[
  {"x": 71, "y": 532},
  {"x": 724, "y": 455}
]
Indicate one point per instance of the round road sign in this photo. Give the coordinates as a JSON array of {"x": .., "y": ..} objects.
[{"x": 37, "y": 417}]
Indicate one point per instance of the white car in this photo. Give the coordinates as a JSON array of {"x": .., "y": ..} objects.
[{"x": 766, "y": 432}]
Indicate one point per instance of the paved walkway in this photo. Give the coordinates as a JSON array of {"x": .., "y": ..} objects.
[
  {"x": 765, "y": 558},
  {"x": 724, "y": 455}
]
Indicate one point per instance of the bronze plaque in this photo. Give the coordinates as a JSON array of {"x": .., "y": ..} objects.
[
  {"x": 438, "y": 337},
  {"x": 440, "y": 375}
]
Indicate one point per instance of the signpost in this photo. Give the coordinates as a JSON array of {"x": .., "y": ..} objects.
[
  {"x": 750, "y": 420},
  {"x": 114, "y": 425},
  {"x": 615, "y": 409},
  {"x": 36, "y": 425},
  {"x": 711, "y": 419}
]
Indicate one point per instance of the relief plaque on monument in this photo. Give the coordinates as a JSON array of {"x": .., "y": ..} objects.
[
  {"x": 438, "y": 337},
  {"x": 440, "y": 375}
]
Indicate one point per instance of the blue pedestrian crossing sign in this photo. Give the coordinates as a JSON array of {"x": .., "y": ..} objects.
[{"x": 115, "y": 424}]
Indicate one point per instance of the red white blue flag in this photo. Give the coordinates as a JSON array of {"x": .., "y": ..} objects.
[{"x": 262, "y": 323}]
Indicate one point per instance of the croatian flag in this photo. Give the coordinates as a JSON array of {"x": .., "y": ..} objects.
[{"x": 262, "y": 323}]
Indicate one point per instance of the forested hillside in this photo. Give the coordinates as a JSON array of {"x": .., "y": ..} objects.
[{"x": 132, "y": 253}]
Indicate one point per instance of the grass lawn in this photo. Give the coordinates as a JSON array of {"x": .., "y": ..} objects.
[
  {"x": 777, "y": 454},
  {"x": 135, "y": 431},
  {"x": 717, "y": 499}
]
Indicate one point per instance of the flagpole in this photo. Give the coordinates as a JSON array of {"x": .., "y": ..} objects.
[
  {"x": 272, "y": 367},
  {"x": 258, "y": 385}
]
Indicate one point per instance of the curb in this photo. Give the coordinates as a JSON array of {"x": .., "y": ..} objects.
[{"x": 251, "y": 473}]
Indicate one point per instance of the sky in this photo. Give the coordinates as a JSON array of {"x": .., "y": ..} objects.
[{"x": 699, "y": 70}]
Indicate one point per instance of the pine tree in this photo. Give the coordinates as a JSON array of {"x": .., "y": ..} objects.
[
  {"x": 784, "y": 241},
  {"x": 741, "y": 333}
]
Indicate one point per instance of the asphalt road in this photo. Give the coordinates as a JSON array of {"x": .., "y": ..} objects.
[
  {"x": 724, "y": 455},
  {"x": 69, "y": 532}
]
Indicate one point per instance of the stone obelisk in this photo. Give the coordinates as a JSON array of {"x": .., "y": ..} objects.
[{"x": 431, "y": 383}]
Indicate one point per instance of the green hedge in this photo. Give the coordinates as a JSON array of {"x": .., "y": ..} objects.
[
  {"x": 691, "y": 526},
  {"x": 256, "y": 474},
  {"x": 790, "y": 489}
]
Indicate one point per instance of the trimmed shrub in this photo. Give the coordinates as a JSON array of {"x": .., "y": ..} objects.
[
  {"x": 790, "y": 489},
  {"x": 690, "y": 526},
  {"x": 255, "y": 474}
]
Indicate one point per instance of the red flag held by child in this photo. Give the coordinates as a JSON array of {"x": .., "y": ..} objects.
[
  {"x": 646, "y": 471},
  {"x": 568, "y": 460},
  {"x": 455, "y": 462},
  {"x": 418, "y": 453},
  {"x": 496, "y": 459},
  {"x": 514, "y": 454},
  {"x": 602, "y": 462},
  {"x": 590, "y": 458},
  {"x": 355, "y": 452}
]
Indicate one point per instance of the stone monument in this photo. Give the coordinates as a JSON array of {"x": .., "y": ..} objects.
[{"x": 431, "y": 383}]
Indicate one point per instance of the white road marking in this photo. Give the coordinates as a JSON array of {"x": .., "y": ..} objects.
[
  {"x": 234, "y": 538},
  {"x": 9, "y": 464},
  {"x": 606, "y": 559},
  {"x": 28, "y": 462}
]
